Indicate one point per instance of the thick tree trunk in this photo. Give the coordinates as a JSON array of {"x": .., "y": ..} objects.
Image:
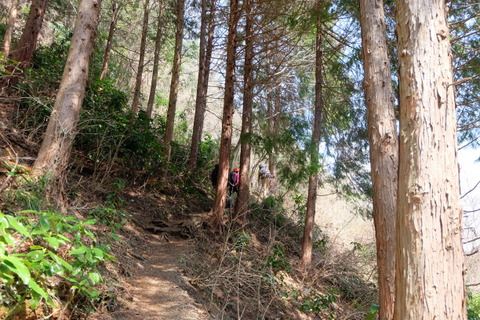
[
  {"x": 156, "y": 58},
  {"x": 226, "y": 137},
  {"x": 111, "y": 32},
  {"x": 383, "y": 146},
  {"x": 307, "y": 243},
  {"x": 61, "y": 130},
  {"x": 205, "y": 49},
  {"x": 7, "y": 40},
  {"x": 172, "y": 100},
  {"x": 430, "y": 260},
  {"x": 141, "y": 58},
  {"x": 241, "y": 206}
]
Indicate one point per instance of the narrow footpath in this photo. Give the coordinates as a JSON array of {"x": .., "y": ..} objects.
[{"x": 157, "y": 289}]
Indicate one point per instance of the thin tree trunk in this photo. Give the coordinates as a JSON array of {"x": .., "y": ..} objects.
[
  {"x": 241, "y": 206},
  {"x": 277, "y": 108},
  {"x": 202, "y": 83},
  {"x": 172, "y": 101},
  {"x": 226, "y": 137},
  {"x": 56, "y": 147},
  {"x": 271, "y": 123},
  {"x": 28, "y": 41},
  {"x": 156, "y": 58},
  {"x": 7, "y": 40},
  {"x": 141, "y": 58},
  {"x": 111, "y": 32},
  {"x": 383, "y": 140},
  {"x": 23, "y": 52},
  {"x": 429, "y": 280},
  {"x": 307, "y": 243}
]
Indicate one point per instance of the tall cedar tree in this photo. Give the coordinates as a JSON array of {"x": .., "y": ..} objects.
[
  {"x": 241, "y": 205},
  {"x": 156, "y": 57},
  {"x": 228, "y": 106},
  {"x": 141, "y": 58},
  {"x": 172, "y": 100},
  {"x": 307, "y": 243},
  {"x": 108, "y": 48},
  {"x": 429, "y": 280},
  {"x": 205, "y": 55},
  {"x": 383, "y": 140},
  {"x": 62, "y": 127}
]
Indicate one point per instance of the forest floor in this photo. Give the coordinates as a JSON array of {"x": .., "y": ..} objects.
[
  {"x": 157, "y": 289},
  {"x": 153, "y": 285}
]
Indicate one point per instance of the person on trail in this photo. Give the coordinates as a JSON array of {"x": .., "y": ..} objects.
[
  {"x": 233, "y": 180},
  {"x": 264, "y": 179},
  {"x": 232, "y": 186},
  {"x": 214, "y": 176}
]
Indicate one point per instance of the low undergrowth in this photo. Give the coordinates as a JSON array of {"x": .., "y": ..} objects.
[{"x": 250, "y": 272}]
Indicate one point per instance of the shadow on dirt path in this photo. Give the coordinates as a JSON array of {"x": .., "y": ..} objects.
[{"x": 157, "y": 289}]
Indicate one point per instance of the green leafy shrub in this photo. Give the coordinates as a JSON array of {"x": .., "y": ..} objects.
[
  {"x": 313, "y": 301},
  {"x": 278, "y": 260},
  {"x": 473, "y": 306},
  {"x": 109, "y": 131},
  {"x": 40, "y": 83},
  {"x": 27, "y": 194},
  {"x": 36, "y": 247}
]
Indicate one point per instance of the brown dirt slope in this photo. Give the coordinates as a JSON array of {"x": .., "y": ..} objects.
[{"x": 157, "y": 289}]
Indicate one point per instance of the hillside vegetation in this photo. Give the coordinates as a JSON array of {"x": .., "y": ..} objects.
[
  {"x": 82, "y": 249},
  {"x": 336, "y": 191}
]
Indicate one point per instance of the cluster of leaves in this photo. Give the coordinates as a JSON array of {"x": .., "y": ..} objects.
[
  {"x": 109, "y": 131},
  {"x": 39, "y": 86},
  {"x": 473, "y": 306},
  {"x": 314, "y": 301},
  {"x": 38, "y": 249},
  {"x": 277, "y": 260},
  {"x": 110, "y": 213}
]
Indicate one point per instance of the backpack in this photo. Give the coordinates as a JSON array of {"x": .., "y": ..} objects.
[
  {"x": 264, "y": 172},
  {"x": 232, "y": 177}
]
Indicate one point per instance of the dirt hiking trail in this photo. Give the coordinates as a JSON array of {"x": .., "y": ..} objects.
[{"x": 157, "y": 289}]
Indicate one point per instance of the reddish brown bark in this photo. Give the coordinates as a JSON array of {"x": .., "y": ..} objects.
[
  {"x": 177, "y": 60},
  {"x": 241, "y": 205},
  {"x": 226, "y": 137},
  {"x": 307, "y": 242},
  {"x": 206, "y": 47},
  {"x": 55, "y": 151},
  {"x": 429, "y": 280},
  {"x": 383, "y": 140},
  {"x": 141, "y": 58}
]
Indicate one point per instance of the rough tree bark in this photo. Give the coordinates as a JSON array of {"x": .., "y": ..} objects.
[
  {"x": 172, "y": 100},
  {"x": 226, "y": 137},
  {"x": 206, "y": 47},
  {"x": 156, "y": 58},
  {"x": 55, "y": 151},
  {"x": 383, "y": 140},
  {"x": 141, "y": 58},
  {"x": 307, "y": 242},
  {"x": 241, "y": 205},
  {"x": 429, "y": 279}
]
